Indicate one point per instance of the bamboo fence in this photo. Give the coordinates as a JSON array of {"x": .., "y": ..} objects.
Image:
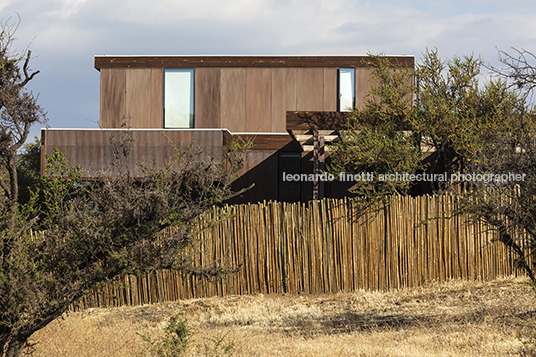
[{"x": 325, "y": 247}]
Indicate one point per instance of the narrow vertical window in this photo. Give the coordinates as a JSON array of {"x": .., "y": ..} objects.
[
  {"x": 289, "y": 164},
  {"x": 178, "y": 98},
  {"x": 346, "y": 89}
]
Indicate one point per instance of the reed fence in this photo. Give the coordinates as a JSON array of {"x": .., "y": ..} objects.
[{"x": 325, "y": 247}]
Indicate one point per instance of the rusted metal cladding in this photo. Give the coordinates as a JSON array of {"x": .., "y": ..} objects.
[
  {"x": 256, "y": 99},
  {"x": 207, "y": 99},
  {"x": 112, "y": 96},
  {"x": 233, "y": 99},
  {"x": 284, "y": 96},
  {"x": 132, "y": 97},
  {"x": 92, "y": 149},
  {"x": 247, "y": 99},
  {"x": 144, "y": 99}
]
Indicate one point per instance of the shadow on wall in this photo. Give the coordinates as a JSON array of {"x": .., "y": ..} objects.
[{"x": 261, "y": 169}]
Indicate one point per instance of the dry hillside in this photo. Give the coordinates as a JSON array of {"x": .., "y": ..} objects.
[{"x": 453, "y": 319}]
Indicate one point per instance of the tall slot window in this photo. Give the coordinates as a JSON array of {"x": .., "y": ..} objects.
[
  {"x": 346, "y": 89},
  {"x": 178, "y": 98},
  {"x": 289, "y": 163}
]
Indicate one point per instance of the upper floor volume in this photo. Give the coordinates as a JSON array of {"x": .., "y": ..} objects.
[
  {"x": 210, "y": 101},
  {"x": 239, "y": 93}
]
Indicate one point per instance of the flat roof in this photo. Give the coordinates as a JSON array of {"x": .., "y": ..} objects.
[{"x": 109, "y": 61}]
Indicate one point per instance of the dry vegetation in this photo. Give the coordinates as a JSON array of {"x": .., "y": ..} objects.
[{"x": 458, "y": 318}]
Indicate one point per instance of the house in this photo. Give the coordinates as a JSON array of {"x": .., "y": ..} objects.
[{"x": 276, "y": 101}]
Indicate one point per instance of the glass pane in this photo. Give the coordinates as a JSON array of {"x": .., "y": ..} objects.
[
  {"x": 346, "y": 89},
  {"x": 179, "y": 98}
]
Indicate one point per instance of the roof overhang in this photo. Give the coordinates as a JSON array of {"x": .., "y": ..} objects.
[{"x": 245, "y": 61}]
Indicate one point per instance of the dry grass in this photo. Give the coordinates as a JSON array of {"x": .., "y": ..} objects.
[{"x": 458, "y": 318}]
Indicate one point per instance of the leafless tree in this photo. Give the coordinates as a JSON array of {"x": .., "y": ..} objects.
[
  {"x": 518, "y": 68},
  {"x": 18, "y": 110}
]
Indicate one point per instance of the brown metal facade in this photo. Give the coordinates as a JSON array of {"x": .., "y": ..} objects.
[
  {"x": 238, "y": 99},
  {"x": 249, "y": 96},
  {"x": 241, "y": 94},
  {"x": 92, "y": 149}
]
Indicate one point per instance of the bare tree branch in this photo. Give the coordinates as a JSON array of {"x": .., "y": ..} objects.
[
  {"x": 27, "y": 77},
  {"x": 519, "y": 69}
]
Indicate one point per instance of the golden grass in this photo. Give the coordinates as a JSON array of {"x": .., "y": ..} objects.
[{"x": 458, "y": 318}]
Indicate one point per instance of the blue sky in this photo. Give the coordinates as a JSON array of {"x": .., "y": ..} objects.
[{"x": 65, "y": 35}]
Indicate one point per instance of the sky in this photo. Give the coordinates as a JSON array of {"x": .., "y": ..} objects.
[{"x": 65, "y": 35}]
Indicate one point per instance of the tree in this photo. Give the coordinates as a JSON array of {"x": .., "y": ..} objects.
[
  {"x": 509, "y": 205},
  {"x": 439, "y": 106},
  {"x": 18, "y": 112},
  {"x": 519, "y": 70},
  {"x": 487, "y": 132},
  {"x": 92, "y": 233},
  {"x": 376, "y": 139},
  {"x": 505, "y": 200},
  {"x": 455, "y": 115},
  {"x": 89, "y": 233},
  {"x": 29, "y": 169}
]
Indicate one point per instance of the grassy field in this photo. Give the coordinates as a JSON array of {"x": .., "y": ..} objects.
[{"x": 458, "y": 318}]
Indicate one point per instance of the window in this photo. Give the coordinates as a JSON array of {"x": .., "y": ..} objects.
[
  {"x": 178, "y": 98},
  {"x": 289, "y": 163},
  {"x": 346, "y": 89}
]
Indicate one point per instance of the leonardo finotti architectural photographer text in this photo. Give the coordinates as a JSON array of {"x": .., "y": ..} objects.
[{"x": 407, "y": 177}]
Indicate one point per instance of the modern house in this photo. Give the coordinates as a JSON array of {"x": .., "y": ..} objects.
[{"x": 276, "y": 101}]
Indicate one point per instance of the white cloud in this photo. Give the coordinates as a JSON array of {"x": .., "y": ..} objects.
[
  {"x": 5, "y": 4},
  {"x": 65, "y": 9},
  {"x": 266, "y": 26},
  {"x": 68, "y": 33}
]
